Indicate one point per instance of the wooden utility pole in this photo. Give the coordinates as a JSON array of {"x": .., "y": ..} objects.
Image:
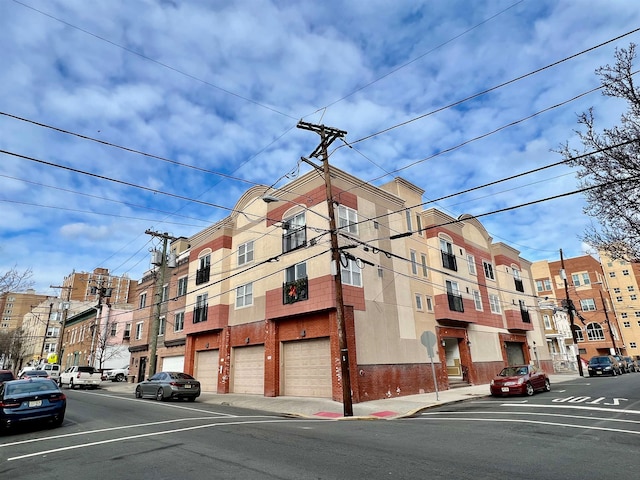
[
  {"x": 570, "y": 309},
  {"x": 155, "y": 320},
  {"x": 65, "y": 312},
  {"x": 327, "y": 136}
]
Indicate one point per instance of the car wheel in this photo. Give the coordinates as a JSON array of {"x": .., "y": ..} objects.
[
  {"x": 547, "y": 385},
  {"x": 71, "y": 384},
  {"x": 529, "y": 390},
  {"x": 120, "y": 377},
  {"x": 160, "y": 395},
  {"x": 58, "y": 421},
  {"x": 138, "y": 392}
]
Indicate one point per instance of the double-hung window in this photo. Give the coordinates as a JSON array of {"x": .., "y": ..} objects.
[
  {"x": 244, "y": 295},
  {"x": 245, "y": 253},
  {"x": 348, "y": 219},
  {"x": 350, "y": 272}
]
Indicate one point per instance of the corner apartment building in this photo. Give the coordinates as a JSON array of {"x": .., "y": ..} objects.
[
  {"x": 261, "y": 311},
  {"x": 594, "y": 322},
  {"x": 623, "y": 285},
  {"x": 15, "y": 305},
  {"x": 168, "y": 302},
  {"x": 81, "y": 286}
]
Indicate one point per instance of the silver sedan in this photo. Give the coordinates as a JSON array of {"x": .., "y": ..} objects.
[{"x": 166, "y": 385}]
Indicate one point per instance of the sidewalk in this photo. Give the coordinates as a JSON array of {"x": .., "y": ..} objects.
[{"x": 395, "y": 407}]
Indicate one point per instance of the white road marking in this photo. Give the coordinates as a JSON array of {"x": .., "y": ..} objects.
[
  {"x": 574, "y": 407},
  {"x": 153, "y": 434},
  {"x": 112, "y": 429},
  {"x": 502, "y": 412},
  {"x": 535, "y": 422}
]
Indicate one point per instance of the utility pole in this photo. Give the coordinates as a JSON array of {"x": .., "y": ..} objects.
[
  {"x": 327, "y": 136},
  {"x": 563, "y": 274},
  {"x": 46, "y": 329},
  {"x": 65, "y": 311},
  {"x": 606, "y": 316},
  {"x": 155, "y": 321}
]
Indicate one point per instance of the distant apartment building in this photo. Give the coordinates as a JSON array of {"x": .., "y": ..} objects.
[
  {"x": 255, "y": 302},
  {"x": 84, "y": 286},
  {"x": 595, "y": 323},
  {"x": 14, "y": 306},
  {"x": 622, "y": 280}
]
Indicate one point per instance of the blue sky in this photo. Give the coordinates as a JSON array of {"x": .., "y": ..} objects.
[{"x": 221, "y": 86}]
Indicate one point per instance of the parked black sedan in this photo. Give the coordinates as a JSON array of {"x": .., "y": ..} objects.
[
  {"x": 35, "y": 399},
  {"x": 166, "y": 385},
  {"x": 604, "y": 365}
]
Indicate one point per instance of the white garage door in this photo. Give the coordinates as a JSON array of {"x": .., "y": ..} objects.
[
  {"x": 206, "y": 370},
  {"x": 247, "y": 369},
  {"x": 173, "y": 364},
  {"x": 307, "y": 368}
]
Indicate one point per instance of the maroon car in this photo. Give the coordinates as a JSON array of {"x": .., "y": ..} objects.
[{"x": 520, "y": 380}]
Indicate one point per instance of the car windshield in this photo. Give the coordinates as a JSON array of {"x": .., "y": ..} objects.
[
  {"x": 180, "y": 376},
  {"x": 4, "y": 376},
  {"x": 513, "y": 371},
  {"x": 36, "y": 373},
  {"x": 599, "y": 360},
  {"x": 26, "y": 386}
]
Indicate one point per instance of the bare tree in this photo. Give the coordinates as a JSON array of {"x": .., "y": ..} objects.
[
  {"x": 609, "y": 165},
  {"x": 14, "y": 280},
  {"x": 106, "y": 345},
  {"x": 12, "y": 348}
]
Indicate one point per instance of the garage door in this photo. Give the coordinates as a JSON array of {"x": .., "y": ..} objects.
[
  {"x": 515, "y": 355},
  {"x": 206, "y": 370},
  {"x": 247, "y": 369},
  {"x": 307, "y": 368},
  {"x": 173, "y": 364}
]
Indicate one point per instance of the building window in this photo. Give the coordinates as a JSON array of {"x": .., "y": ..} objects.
[
  {"x": 201, "y": 308},
  {"x": 633, "y": 297},
  {"x": 477, "y": 300},
  {"x": 488, "y": 270},
  {"x": 114, "y": 329},
  {"x": 517, "y": 279},
  {"x": 637, "y": 314},
  {"x": 630, "y": 288},
  {"x": 616, "y": 290},
  {"x": 139, "y": 330},
  {"x": 380, "y": 272},
  {"x": 547, "y": 285},
  {"x": 580, "y": 279},
  {"x": 612, "y": 274},
  {"x": 588, "y": 305},
  {"x": 408, "y": 216},
  {"x": 204, "y": 270},
  {"x": 632, "y": 345},
  {"x": 245, "y": 253},
  {"x": 414, "y": 262},
  {"x": 165, "y": 293},
  {"x": 619, "y": 298},
  {"x": 595, "y": 332},
  {"x": 161, "y": 325},
  {"x": 418, "y": 223},
  {"x": 539, "y": 286},
  {"x": 178, "y": 322},
  {"x": 448, "y": 258},
  {"x": 419, "y": 302},
  {"x": 351, "y": 274},
  {"x": 429, "y": 303},
  {"x": 348, "y": 219},
  {"x": 579, "y": 334},
  {"x": 494, "y": 303},
  {"x": 453, "y": 296},
  {"x": 244, "y": 295},
  {"x": 626, "y": 324},
  {"x": 127, "y": 331},
  {"x": 296, "y": 286},
  {"x": 423, "y": 261},
  {"x": 624, "y": 315},
  {"x": 625, "y": 273},
  {"x": 471, "y": 263},
  {"x": 294, "y": 233},
  {"x": 143, "y": 300},
  {"x": 182, "y": 286},
  {"x": 547, "y": 322}
]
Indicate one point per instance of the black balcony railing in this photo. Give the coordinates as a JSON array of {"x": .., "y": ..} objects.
[
  {"x": 200, "y": 314},
  {"x": 202, "y": 275},
  {"x": 519, "y": 285},
  {"x": 455, "y": 302},
  {"x": 294, "y": 238},
  {"x": 526, "y": 318},
  {"x": 449, "y": 261},
  {"x": 295, "y": 291}
]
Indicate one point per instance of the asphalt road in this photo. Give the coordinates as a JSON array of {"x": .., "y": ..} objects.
[{"x": 585, "y": 429}]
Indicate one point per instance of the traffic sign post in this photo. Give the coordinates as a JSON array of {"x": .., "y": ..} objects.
[{"x": 429, "y": 340}]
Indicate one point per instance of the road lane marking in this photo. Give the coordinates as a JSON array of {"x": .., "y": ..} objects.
[
  {"x": 153, "y": 434},
  {"x": 111, "y": 429},
  {"x": 160, "y": 404},
  {"x": 535, "y": 422},
  {"x": 573, "y": 407},
  {"x": 502, "y": 412}
]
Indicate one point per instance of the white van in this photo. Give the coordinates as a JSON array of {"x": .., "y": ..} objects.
[{"x": 53, "y": 369}]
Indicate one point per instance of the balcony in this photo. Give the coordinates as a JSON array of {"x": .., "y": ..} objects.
[
  {"x": 294, "y": 238},
  {"x": 200, "y": 314},
  {"x": 295, "y": 291},
  {"x": 455, "y": 302},
  {"x": 449, "y": 261},
  {"x": 519, "y": 285},
  {"x": 202, "y": 275}
]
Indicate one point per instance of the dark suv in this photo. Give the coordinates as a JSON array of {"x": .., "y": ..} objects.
[
  {"x": 604, "y": 365},
  {"x": 6, "y": 375}
]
